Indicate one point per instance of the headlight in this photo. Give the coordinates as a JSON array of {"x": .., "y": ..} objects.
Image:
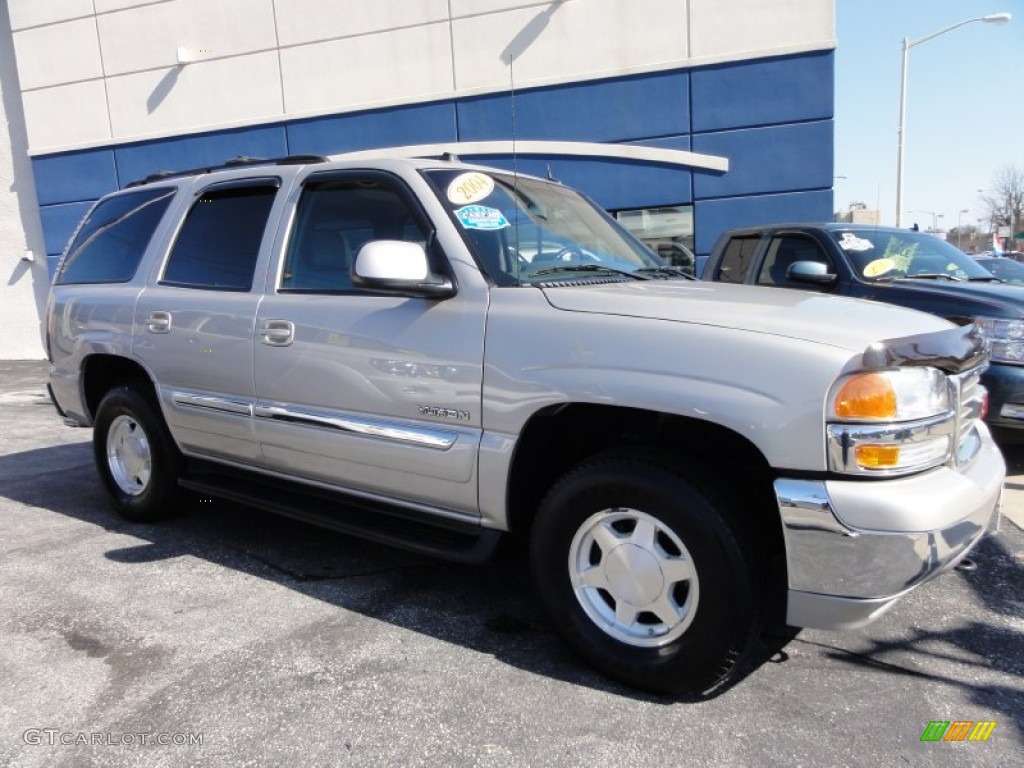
[
  {"x": 1006, "y": 337},
  {"x": 904, "y": 394},
  {"x": 890, "y": 422}
]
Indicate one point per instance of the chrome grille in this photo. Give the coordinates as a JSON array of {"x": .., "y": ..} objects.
[{"x": 969, "y": 398}]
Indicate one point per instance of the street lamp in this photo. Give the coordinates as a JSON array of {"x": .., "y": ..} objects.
[
  {"x": 994, "y": 18},
  {"x": 959, "y": 233}
]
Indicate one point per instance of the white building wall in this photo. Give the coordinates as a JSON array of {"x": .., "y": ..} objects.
[
  {"x": 113, "y": 64},
  {"x": 24, "y": 283}
]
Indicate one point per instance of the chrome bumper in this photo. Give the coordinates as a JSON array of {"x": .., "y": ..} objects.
[{"x": 855, "y": 547}]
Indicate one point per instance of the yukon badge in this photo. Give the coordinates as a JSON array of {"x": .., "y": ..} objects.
[{"x": 443, "y": 413}]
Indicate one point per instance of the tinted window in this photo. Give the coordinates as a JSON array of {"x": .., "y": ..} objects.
[
  {"x": 220, "y": 240},
  {"x": 110, "y": 243},
  {"x": 739, "y": 252},
  {"x": 334, "y": 220},
  {"x": 783, "y": 253}
]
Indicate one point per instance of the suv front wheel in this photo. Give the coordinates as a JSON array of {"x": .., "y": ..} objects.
[
  {"x": 136, "y": 457},
  {"x": 641, "y": 573}
]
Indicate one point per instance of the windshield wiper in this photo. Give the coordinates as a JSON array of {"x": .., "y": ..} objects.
[
  {"x": 587, "y": 268},
  {"x": 992, "y": 279},
  {"x": 666, "y": 272},
  {"x": 934, "y": 276}
]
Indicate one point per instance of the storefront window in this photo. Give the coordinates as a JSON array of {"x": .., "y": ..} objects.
[{"x": 667, "y": 231}]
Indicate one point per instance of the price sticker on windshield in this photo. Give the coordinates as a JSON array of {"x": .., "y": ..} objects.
[
  {"x": 470, "y": 187},
  {"x": 879, "y": 267}
]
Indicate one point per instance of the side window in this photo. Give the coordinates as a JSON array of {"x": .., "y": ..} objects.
[
  {"x": 783, "y": 252},
  {"x": 219, "y": 242},
  {"x": 334, "y": 219},
  {"x": 739, "y": 252},
  {"x": 111, "y": 241}
]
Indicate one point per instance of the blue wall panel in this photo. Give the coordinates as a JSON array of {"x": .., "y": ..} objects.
[
  {"x": 771, "y": 117},
  {"x": 136, "y": 161},
  {"x": 59, "y": 221},
  {"x": 608, "y": 110},
  {"x": 74, "y": 176},
  {"x": 399, "y": 126},
  {"x": 763, "y": 92},
  {"x": 781, "y": 158},
  {"x": 713, "y": 217},
  {"x": 52, "y": 260}
]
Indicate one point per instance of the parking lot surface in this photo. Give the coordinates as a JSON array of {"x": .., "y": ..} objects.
[{"x": 276, "y": 644}]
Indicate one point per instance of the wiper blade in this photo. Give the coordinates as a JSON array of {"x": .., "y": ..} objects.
[
  {"x": 666, "y": 272},
  {"x": 934, "y": 276},
  {"x": 587, "y": 268},
  {"x": 992, "y": 279}
]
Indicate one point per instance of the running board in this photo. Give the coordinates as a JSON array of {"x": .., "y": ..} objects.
[{"x": 394, "y": 526}]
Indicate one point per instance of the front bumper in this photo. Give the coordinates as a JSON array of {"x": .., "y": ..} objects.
[
  {"x": 855, "y": 547},
  {"x": 1005, "y": 385}
]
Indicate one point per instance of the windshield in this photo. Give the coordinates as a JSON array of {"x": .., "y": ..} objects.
[
  {"x": 884, "y": 254},
  {"x": 525, "y": 230},
  {"x": 1005, "y": 269}
]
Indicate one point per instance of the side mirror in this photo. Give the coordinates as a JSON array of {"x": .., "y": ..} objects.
[
  {"x": 396, "y": 266},
  {"x": 813, "y": 272}
]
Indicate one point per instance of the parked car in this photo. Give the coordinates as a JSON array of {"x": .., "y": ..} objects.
[
  {"x": 896, "y": 266},
  {"x": 1006, "y": 269},
  {"x": 432, "y": 354}
]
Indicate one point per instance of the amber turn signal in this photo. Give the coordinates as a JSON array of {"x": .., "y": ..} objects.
[{"x": 868, "y": 396}]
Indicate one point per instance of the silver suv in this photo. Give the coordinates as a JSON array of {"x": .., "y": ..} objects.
[{"x": 431, "y": 354}]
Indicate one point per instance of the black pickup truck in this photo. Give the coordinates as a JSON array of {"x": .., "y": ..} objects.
[{"x": 896, "y": 266}]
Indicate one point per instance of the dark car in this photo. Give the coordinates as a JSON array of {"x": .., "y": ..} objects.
[
  {"x": 897, "y": 266},
  {"x": 1008, "y": 269}
]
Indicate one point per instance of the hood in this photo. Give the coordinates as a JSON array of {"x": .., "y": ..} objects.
[
  {"x": 848, "y": 323},
  {"x": 952, "y": 299}
]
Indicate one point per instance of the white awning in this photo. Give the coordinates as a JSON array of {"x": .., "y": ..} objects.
[{"x": 593, "y": 150}]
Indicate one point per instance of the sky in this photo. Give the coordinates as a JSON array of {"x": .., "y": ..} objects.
[{"x": 965, "y": 106}]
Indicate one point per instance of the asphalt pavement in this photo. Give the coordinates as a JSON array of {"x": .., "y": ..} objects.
[{"x": 229, "y": 637}]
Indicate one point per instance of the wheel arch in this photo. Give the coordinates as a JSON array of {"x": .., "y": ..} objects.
[
  {"x": 102, "y": 372},
  {"x": 556, "y": 438}
]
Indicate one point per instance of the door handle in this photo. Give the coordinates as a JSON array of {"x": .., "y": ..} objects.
[
  {"x": 158, "y": 322},
  {"x": 277, "y": 333}
]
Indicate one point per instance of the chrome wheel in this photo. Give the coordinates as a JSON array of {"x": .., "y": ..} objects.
[
  {"x": 633, "y": 577},
  {"x": 128, "y": 455}
]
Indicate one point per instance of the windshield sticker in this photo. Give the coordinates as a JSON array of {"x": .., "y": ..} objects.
[
  {"x": 481, "y": 217},
  {"x": 470, "y": 187},
  {"x": 851, "y": 242},
  {"x": 879, "y": 267}
]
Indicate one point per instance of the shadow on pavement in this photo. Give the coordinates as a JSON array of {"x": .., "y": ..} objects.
[{"x": 489, "y": 609}]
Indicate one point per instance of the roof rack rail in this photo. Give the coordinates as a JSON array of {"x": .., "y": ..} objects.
[{"x": 235, "y": 162}]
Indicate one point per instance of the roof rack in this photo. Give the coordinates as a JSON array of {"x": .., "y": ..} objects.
[{"x": 240, "y": 161}]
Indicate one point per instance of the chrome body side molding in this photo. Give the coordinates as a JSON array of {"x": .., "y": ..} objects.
[{"x": 424, "y": 437}]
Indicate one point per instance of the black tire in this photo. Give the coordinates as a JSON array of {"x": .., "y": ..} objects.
[
  {"x": 136, "y": 457},
  {"x": 712, "y": 618}
]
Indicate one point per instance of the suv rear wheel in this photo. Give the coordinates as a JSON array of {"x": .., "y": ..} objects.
[
  {"x": 136, "y": 457},
  {"x": 641, "y": 573}
]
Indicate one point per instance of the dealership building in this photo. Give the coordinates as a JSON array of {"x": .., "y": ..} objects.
[{"x": 100, "y": 93}]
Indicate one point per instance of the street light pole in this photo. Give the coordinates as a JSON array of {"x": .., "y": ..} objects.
[
  {"x": 959, "y": 232},
  {"x": 994, "y": 18}
]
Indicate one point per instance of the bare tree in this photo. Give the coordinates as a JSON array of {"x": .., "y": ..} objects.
[{"x": 1005, "y": 200}]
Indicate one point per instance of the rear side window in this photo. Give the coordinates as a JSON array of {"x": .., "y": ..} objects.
[
  {"x": 220, "y": 240},
  {"x": 112, "y": 240},
  {"x": 739, "y": 252}
]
